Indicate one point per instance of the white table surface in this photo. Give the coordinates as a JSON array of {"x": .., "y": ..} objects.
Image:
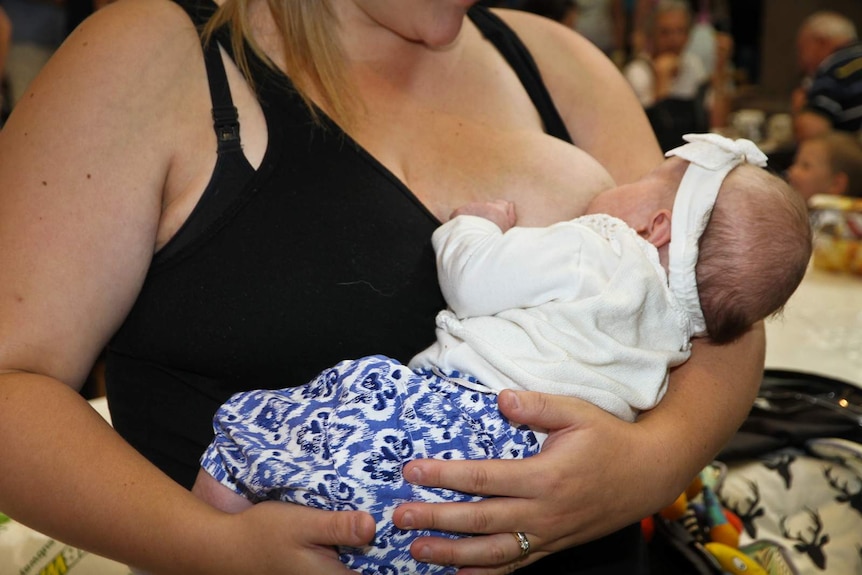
[{"x": 820, "y": 330}]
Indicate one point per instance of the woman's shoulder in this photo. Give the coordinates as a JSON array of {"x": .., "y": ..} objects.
[
  {"x": 140, "y": 30},
  {"x": 125, "y": 61}
]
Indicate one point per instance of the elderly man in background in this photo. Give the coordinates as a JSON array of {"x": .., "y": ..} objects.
[
  {"x": 665, "y": 70},
  {"x": 830, "y": 56},
  {"x": 666, "y": 79},
  {"x": 677, "y": 91}
]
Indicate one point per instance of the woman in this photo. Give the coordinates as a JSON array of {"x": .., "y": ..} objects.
[{"x": 104, "y": 163}]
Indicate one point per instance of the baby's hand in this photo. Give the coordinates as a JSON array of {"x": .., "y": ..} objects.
[{"x": 501, "y": 212}]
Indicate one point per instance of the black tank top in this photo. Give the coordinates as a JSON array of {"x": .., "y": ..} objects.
[{"x": 319, "y": 255}]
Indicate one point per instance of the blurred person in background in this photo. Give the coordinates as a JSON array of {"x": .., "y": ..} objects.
[
  {"x": 668, "y": 81},
  {"x": 830, "y": 96},
  {"x": 38, "y": 29},
  {"x": 665, "y": 70},
  {"x": 829, "y": 163},
  {"x": 678, "y": 93}
]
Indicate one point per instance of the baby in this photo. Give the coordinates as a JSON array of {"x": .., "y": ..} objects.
[
  {"x": 598, "y": 308},
  {"x": 829, "y": 164}
]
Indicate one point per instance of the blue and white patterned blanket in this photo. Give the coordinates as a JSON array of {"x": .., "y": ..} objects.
[{"x": 341, "y": 441}]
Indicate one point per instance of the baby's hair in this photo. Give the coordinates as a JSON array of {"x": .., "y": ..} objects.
[{"x": 753, "y": 253}]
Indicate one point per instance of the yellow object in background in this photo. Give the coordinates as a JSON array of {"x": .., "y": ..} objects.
[
  {"x": 733, "y": 560},
  {"x": 837, "y": 225}
]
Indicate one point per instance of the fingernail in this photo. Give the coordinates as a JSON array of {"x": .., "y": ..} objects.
[
  {"x": 511, "y": 399},
  {"x": 407, "y": 520},
  {"x": 424, "y": 554},
  {"x": 413, "y": 474}
]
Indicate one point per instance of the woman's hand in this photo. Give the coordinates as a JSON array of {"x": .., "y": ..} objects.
[
  {"x": 577, "y": 489},
  {"x": 305, "y": 538},
  {"x": 595, "y": 473},
  {"x": 283, "y": 538}
]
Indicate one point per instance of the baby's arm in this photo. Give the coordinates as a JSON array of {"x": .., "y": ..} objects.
[
  {"x": 483, "y": 271},
  {"x": 208, "y": 489},
  {"x": 501, "y": 212}
]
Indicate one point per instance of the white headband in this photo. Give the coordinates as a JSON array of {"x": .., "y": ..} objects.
[{"x": 711, "y": 158}]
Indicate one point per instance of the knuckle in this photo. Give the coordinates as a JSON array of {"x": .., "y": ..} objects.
[
  {"x": 497, "y": 555},
  {"x": 480, "y": 479},
  {"x": 336, "y": 527},
  {"x": 447, "y": 557},
  {"x": 480, "y": 522}
]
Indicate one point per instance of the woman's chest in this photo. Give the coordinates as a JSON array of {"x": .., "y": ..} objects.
[{"x": 449, "y": 159}]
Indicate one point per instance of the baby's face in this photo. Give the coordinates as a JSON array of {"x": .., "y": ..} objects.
[
  {"x": 811, "y": 173},
  {"x": 634, "y": 203},
  {"x": 618, "y": 201}
]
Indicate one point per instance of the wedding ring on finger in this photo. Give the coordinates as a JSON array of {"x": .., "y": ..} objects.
[{"x": 523, "y": 542}]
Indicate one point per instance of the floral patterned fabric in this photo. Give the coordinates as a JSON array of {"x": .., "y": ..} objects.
[{"x": 340, "y": 442}]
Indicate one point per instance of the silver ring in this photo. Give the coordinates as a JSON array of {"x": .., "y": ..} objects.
[{"x": 523, "y": 542}]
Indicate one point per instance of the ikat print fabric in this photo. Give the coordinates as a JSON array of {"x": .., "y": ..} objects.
[{"x": 341, "y": 441}]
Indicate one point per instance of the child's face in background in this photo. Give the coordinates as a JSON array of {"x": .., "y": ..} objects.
[{"x": 811, "y": 172}]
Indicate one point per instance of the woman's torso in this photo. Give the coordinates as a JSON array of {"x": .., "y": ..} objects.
[{"x": 326, "y": 254}]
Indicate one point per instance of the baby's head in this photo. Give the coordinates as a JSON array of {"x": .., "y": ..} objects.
[
  {"x": 828, "y": 164},
  {"x": 740, "y": 240},
  {"x": 753, "y": 253},
  {"x": 734, "y": 239}
]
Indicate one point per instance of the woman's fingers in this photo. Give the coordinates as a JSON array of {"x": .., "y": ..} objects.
[
  {"x": 499, "y": 553},
  {"x": 347, "y": 528},
  {"x": 481, "y": 477},
  {"x": 543, "y": 411},
  {"x": 299, "y": 539},
  {"x": 493, "y": 515}
]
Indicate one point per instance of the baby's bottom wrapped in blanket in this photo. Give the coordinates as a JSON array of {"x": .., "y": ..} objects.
[{"x": 341, "y": 441}]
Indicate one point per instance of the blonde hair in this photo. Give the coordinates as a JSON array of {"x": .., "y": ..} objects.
[
  {"x": 313, "y": 58},
  {"x": 753, "y": 253}
]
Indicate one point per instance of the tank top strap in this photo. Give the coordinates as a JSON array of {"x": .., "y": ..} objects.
[
  {"x": 519, "y": 58},
  {"x": 232, "y": 173},
  {"x": 225, "y": 115}
]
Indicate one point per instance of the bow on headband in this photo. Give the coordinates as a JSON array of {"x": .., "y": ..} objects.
[{"x": 711, "y": 158}]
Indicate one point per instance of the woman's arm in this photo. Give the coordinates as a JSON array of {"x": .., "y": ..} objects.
[
  {"x": 483, "y": 271},
  {"x": 84, "y": 161}
]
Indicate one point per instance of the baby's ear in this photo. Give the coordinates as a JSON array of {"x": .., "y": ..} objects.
[{"x": 658, "y": 228}]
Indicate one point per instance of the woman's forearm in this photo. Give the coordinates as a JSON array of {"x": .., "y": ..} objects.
[
  {"x": 707, "y": 400},
  {"x": 69, "y": 475}
]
